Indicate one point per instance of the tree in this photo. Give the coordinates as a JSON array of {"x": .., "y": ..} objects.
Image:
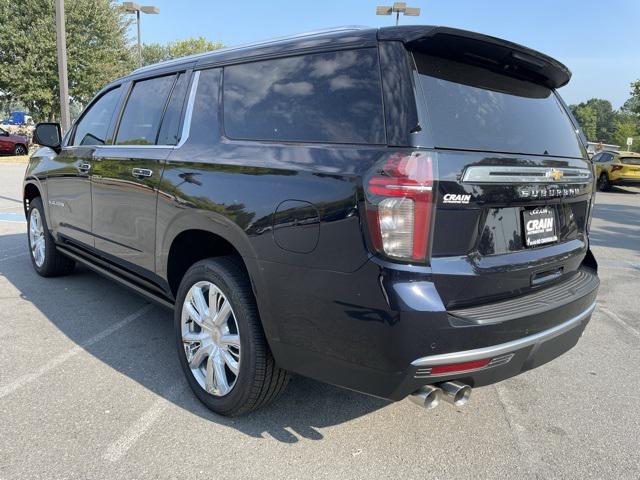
[
  {"x": 97, "y": 50},
  {"x": 156, "y": 52},
  {"x": 625, "y": 127},
  {"x": 587, "y": 119},
  {"x": 632, "y": 106}
]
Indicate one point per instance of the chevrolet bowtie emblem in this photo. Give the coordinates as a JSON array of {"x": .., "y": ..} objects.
[{"x": 555, "y": 174}]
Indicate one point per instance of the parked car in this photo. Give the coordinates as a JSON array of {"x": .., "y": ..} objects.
[
  {"x": 399, "y": 211},
  {"x": 617, "y": 168},
  {"x": 13, "y": 144}
]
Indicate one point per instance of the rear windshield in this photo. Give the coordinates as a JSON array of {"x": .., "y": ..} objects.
[
  {"x": 630, "y": 160},
  {"x": 472, "y": 108}
]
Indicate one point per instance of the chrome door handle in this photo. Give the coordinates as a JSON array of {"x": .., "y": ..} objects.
[
  {"x": 141, "y": 172},
  {"x": 84, "y": 167}
]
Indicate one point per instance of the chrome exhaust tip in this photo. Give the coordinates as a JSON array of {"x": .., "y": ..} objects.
[
  {"x": 426, "y": 397},
  {"x": 455, "y": 393}
]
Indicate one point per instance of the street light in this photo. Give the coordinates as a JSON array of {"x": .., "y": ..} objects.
[
  {"x": 398, "y": 8},
  {"x": 132, "y": 7}
]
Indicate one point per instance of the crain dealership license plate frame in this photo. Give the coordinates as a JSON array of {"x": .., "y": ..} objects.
[{"x": 539, "y": 226}]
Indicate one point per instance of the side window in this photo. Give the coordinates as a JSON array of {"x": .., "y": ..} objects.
[
  {"x": 606, "y": 157},
  {"x": 170, "y": 129},
  {"x": 143, "y": 113},
  {"x": 596, "y": 158},
  {"x": 326, "y": 97},
  {"x": 204, "y": 121},
  {"x": 94, "y": 124}
]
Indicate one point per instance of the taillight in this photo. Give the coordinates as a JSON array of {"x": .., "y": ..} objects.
[
  {"x": 616, "y": 167},
  {"x": 400, "y": 204}
]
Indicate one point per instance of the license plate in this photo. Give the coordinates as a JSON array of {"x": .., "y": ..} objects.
[{"x": 539, "y": 226}]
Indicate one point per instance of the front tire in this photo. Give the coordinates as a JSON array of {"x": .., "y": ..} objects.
[
  {"x": 604, "y": 185},
  {"x": 221, "y": 345},
  {"x": 46, "y": 260}
]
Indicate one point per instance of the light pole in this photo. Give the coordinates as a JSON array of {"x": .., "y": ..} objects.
[
  {"x": 132, "y": 7},
  {"x": 398, "y": 8},
  {"x": 61, "y": 43}
]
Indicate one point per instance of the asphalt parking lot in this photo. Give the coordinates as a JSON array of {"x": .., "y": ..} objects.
[{"x": 90, "y": 388}]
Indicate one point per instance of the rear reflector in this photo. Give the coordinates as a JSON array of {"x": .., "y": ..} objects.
[{"x": 459, "y": 367}]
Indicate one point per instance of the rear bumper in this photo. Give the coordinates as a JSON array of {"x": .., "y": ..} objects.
[{"x": 381, "y": 332}]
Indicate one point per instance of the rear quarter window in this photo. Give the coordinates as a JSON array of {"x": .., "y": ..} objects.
[
  {"x": 473, "y": 108},
  {"x": 326, "y": 97}
]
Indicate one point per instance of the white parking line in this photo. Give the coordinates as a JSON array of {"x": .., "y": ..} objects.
[
  {"x": 14, "y": 256},
  {"x": 56, "y": 361},
  {"x": 121, "y": 446},
  {"x": 612, "y": 315}
]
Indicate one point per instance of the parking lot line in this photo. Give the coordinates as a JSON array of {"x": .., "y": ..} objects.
[
  {"x": 14, "y": 256},
  {"x": 619, "y": 320},
  {"x": 122, "y": 445},
  {"x": 58, "y": 360}
]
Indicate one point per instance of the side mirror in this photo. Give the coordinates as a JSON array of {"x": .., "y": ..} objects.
[{"x": 48, "y": 135}]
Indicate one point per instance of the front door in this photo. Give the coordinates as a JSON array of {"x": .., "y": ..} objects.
[
  {"x": 126, "y": 175},
  {"x": 68, "y": 182}
]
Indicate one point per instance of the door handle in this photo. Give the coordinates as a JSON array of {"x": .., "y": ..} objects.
[
  {"x": 141, "y": 172},
  {"x": 84, "y": 167}
]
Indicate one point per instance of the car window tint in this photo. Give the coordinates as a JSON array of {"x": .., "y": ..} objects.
[
  {"x": 596, "y": 157},
  {"x": 170, "y": 129},
  {"x": 94, "y": 124},
  {"x": 473, "y": 108},
  {"x": 204, "y": 120},
  {"x": 327, "y": 97},
  {"x": 143, "y": 112}
]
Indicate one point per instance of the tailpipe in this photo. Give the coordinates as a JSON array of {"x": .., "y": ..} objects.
[
  {"x": 455, "y": 393},
  {"x": 427, "y": 397}
]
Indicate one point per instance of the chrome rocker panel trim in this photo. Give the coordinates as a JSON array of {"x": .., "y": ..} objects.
[{"x": 509, "y": 347}]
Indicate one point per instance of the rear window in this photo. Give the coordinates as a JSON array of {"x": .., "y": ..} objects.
[
  {"x": 473, "y": 108},
  {"x": 326, "y": 97},
  {"x": 630, "y": 160}
]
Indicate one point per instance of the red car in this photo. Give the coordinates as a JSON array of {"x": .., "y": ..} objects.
[{"x": 13, "y": 144}]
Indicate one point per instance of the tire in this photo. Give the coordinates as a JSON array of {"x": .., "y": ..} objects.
[
  {"x": 603, "y": 182},
  {"x": 20, "y": 150},
  {"x": 41, "y": 244},
  {"x": 258, "y": 380}
]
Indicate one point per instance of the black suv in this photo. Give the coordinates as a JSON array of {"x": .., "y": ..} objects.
[{"x": 398, "y": 211}]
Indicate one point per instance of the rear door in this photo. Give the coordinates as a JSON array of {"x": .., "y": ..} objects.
[
  {"x": 126, "y": 175},
  {"x": 514, "y": 181},
  {"x": 68, "y": 181}
]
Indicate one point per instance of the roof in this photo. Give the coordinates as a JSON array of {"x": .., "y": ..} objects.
[{"x": 491, "y": 52}]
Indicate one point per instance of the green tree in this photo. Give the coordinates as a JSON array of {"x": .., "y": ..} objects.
[
  {"x": 625, "y": 127},
  {"x": 587, "y": 119},
  {"x": 156, "y": 52},
  {"x": 97, "y": 51},
  {"x": 632, "y": 106}
]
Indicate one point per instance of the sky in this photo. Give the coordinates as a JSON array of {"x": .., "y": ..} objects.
[{"x": 597, "y": 39}]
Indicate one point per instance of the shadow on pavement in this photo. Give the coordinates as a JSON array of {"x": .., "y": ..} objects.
[{"x": 83, "y": 304}]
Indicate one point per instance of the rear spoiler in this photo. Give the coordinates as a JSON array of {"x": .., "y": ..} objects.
[{"x": 499, "y": 55}]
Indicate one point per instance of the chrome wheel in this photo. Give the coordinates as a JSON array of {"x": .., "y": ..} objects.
[
  {"x": 211, "y": 338},
  {"x": 36, "y": 238},
  {"x": 20, "y": 150}
]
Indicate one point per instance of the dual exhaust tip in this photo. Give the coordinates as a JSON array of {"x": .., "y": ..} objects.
[{"x": 429, "y": 396}]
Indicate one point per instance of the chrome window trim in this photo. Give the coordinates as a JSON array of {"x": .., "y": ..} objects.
[
  {"x": 186, "y": 125},
  {"x": 515, "y": 174},
  {"x": 508, "y": 347}
]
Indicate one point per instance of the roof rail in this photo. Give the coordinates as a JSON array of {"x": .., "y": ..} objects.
[{"x": 197, "y": 56}]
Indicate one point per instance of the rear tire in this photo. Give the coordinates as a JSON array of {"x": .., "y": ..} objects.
[
  {"x": 257, "y": 379},
  {"x": 604, "y": 185},
  {"x": 46, "y": 260}
]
